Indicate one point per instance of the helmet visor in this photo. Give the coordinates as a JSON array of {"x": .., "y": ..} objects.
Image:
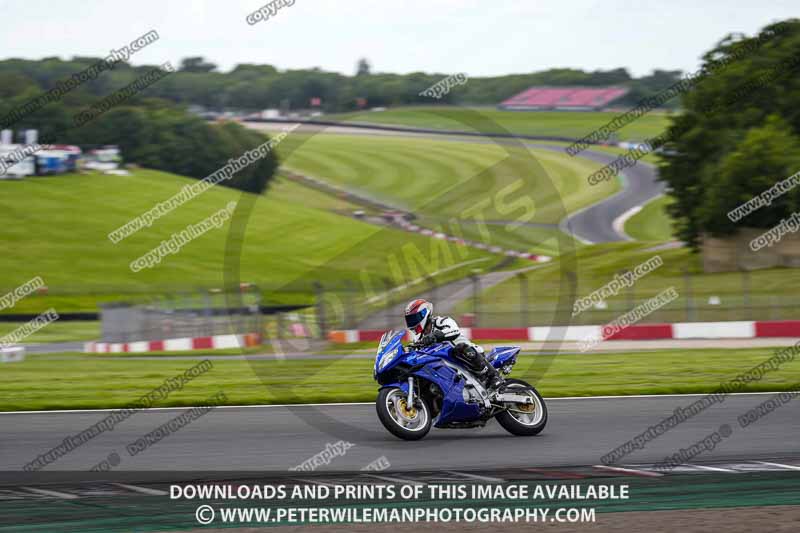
[{"x": 413, "y": 320}]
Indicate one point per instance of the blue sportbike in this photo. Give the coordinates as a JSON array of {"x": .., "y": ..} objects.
[{"x": 423, "y": 386}]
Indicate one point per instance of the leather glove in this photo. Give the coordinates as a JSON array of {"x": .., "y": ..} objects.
[{"x": 432, "y": 338}]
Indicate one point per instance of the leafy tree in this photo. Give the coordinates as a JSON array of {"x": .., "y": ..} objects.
[
  {"x": 256, "y": 87},
  {"x": 363, "y": 67},
  {"x": 197, "y": 64},
  {"x": 729, "y": 143},
  {"x": 168, "y": 139},
  {"x": 767, "y": 154}
]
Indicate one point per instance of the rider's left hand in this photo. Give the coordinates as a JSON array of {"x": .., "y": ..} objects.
[{"x": 432, "y": 337}]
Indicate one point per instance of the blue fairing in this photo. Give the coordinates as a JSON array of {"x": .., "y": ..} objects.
[
  {"x": 393, "y": 365},
  {"x": 389, "y": 351},
  {"x": 503, "y": 355}
]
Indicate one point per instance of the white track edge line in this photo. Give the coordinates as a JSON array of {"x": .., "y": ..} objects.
[
  {"x": 476, "y": 476},
  {"x": 341, "y": 404},
  {"x": 779, "y": 465},
  {"x": 51, "y": 493},
  {"x": 645, "y": 473},
  {"x": 141, "y": 490},
  {"x": 711, "y": 468}
]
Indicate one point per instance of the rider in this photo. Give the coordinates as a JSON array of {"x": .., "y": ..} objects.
[{"x": 426, "y": 329}]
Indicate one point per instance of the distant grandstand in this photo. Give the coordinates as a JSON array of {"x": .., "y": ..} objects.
[{"x": 564, "y": 98}]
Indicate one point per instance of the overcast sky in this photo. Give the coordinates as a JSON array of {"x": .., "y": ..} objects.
[{"x": 479, "y": 37}]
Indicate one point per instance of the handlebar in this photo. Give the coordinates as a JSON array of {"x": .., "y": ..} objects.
[{"x": 417, "y": 345}]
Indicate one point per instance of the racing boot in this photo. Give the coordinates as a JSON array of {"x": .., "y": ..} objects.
[
  {"x": 484, "y": 371},
  {"x": 492, "y": 379}
]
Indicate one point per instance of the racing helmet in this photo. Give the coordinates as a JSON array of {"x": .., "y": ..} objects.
[{"x": 418, "y": 315}]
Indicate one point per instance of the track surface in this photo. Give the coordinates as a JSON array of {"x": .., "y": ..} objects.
[
  {"x": 579, "y": 432},
  {"x": 596, "y": 223}
]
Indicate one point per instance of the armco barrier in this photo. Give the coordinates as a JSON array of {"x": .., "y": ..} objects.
[
  {"x": 679, "y": 330},
  {"x": 643, "y": 332},
  {"x": 216, "y": 342},
  {"x": 501, "y": 333},
  {"x": 778, "y": 328},
  {"x": 12, "y": 354}
]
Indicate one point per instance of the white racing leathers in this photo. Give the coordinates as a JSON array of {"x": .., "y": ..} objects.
[{"x": 452, "y": 333}]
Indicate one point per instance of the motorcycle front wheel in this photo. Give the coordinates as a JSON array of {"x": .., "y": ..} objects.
[
  {"x": 403, "y": 421},
  {"x": 524, "y": 420}
]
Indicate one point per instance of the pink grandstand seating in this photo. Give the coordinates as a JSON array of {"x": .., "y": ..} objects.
[{"x": 564, "y": 98}]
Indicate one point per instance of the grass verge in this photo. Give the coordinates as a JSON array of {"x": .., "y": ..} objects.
[
  {"x": 573, "y": 124},
  {"x": 74, "y": 330},
  {"x": 652, "y": 223},
  {"x": 769, "y": 294},
  {"x": 75, "y": 381},
  {"x": 292, "y": 235}
]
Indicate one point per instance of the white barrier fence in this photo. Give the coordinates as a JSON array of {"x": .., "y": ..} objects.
[{"x": 14, "y": 354}]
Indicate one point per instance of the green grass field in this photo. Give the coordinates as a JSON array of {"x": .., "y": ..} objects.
[
  {"x": 443, "y": 180},
  {"x": 74, "y": 330},
  {"x": 57, "y": 229},
  {"x": 773, "y": 292},
  {"x": 569, "y": 124},
  {"x": 652, "y": 223},
  {"x": 93, "y": 382}
]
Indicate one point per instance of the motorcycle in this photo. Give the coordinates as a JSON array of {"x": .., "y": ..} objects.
[{"x": 425, "y": 386}]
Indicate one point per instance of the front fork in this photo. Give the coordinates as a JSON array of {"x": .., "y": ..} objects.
[{"x": 410, "y": 396}]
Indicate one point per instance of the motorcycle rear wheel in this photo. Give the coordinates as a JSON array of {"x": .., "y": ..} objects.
[
  {"x": 400, "y": 420},
  {"x": 524, "y": 423}
]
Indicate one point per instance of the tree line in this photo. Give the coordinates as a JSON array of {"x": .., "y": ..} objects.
[
  {"x": 255, "y": 87},
  {"x": 151, "y": 130},
  {"x": 738, "y": 135}
]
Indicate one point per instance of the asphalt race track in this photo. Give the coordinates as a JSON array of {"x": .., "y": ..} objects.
[
  {"x": 595, "y": 224},
  {"x": 275, "y": 438}
]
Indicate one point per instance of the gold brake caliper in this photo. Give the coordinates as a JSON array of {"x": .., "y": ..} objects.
[
  {"x": 408, "y": 413},
  {"x": 527, "y": 408}
]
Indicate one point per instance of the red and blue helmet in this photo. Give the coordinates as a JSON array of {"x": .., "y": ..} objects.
[{"x": 418, "y": 316}]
